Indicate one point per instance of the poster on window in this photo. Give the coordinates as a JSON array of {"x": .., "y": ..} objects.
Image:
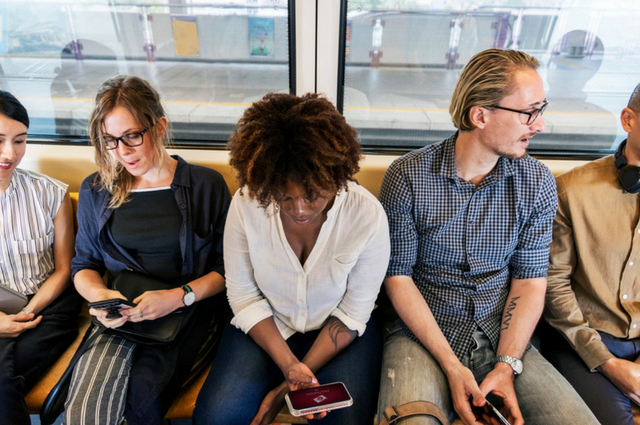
[
  {"x": 185, "y": 34},
  {"x": 261, "y": 36}
]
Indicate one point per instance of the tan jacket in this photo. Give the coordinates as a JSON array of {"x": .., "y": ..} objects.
[{"x": 594, "y": 268}]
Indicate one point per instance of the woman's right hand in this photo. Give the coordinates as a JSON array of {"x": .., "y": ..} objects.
[
  {"x": 12, "y": 325},
  {"x": 299, "y": 376},
  {"x": 101, "y": 314}
]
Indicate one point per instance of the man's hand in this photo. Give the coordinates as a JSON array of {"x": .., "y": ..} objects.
[
  {"x": 463, "y": 385},
  {"x": 12, "y": 325},
  {"x": 625, "y": 375},
  {"x": 500, "y": 382}
]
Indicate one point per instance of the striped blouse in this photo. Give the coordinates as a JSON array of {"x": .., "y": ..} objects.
[{"x": 27, "y": 210}]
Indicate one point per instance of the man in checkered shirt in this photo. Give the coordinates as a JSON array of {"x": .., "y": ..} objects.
[{"x": 470, "y": 221}]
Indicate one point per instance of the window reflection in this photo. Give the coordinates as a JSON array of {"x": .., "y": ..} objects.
[
  {"x": 405, "y": 56},
  {"x": 209, "y": 60}
]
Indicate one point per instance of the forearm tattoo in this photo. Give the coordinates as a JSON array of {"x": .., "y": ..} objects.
[
  {"x": 336, "y": 327},
  {"x": 509, "y": 313}
]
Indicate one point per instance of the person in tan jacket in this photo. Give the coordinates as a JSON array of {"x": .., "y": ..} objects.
[{"x": 593, "y": 294}]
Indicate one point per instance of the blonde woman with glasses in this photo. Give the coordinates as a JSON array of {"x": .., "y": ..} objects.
[{"x": 155, "y": 214}]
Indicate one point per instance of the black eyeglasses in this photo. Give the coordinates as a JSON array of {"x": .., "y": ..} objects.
[
  {"x": 533, "y": 115},
  {"x": 130, "y": 139}
]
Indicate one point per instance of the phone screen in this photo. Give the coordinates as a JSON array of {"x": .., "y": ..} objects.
[
  {"x": 112, "y": 306},
  {"x": 490, "y": 411},
  {"x": 319, "y": 396}
]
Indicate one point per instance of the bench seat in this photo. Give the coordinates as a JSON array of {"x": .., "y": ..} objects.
[{"x": 182, "y": 408}]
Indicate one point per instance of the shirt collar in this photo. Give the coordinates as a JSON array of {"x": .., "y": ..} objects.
[
  {"x": 339, "y": 199},
  {"x": 182, "y": 177},
  {"x": 504, "y": 167},
  {"x": 448, "y": 165}
]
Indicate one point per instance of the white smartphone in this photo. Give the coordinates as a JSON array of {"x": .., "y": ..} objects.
[{"x": 318, "y": 399}]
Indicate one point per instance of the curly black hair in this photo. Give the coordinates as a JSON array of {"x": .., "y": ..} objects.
[{"x": 301, "y": 139}]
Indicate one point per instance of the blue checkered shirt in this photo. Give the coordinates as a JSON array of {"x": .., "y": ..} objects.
[{"x": 463, "y": 244}]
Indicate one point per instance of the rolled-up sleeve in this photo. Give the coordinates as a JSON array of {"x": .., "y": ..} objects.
[
  {"x": 531, "y": 257},
  {"x": 396, "y": 199},
  {"x": 365, "y": 278},
  {"x": 245, "y": 298}
]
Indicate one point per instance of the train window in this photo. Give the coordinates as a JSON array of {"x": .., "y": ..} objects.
[
  {"x": 209, "y": 59},
  {"x": 402, "y": 59}
]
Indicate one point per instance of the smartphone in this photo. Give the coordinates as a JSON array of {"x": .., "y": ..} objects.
[
  {"x": 112, "y": 306},
  {"x": 490, "y": 411},
  {"x": 318, "y": 399}
]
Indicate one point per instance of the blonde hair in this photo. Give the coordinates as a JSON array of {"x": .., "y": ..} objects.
[
  {"x": 142, "y": 101},
  {"x": 485, "y": 81}
]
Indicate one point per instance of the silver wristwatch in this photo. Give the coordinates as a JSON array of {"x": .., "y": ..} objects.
[{"x": 516, "y": 364}]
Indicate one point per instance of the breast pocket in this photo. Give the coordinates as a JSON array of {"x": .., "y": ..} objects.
[
  {"x": 35, "y": 254},
  {"x": 341, "y": 267},
  {"x": 202, "y": 247}
]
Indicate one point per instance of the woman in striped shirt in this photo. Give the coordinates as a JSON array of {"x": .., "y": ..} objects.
[{"x": 36, "y": 247}]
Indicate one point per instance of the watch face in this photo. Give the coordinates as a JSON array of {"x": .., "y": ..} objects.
[
  {"x": 189, "y": 298},
  {"x": 517, "y": 366}
]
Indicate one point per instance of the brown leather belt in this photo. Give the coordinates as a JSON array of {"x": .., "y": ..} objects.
[{"x": 393, "y": 414}]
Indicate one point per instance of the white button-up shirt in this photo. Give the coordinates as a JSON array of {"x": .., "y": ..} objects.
[{"x": 341, "y": 277}]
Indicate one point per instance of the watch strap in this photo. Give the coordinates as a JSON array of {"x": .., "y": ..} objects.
[
  {"x": 189, "y": 296},
  {"x": 511, "y": 361}
]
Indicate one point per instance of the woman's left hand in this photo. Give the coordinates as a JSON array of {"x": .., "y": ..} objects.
[
  {"x": 271, "y": 405},
  {"x": 152, "y": 305}
]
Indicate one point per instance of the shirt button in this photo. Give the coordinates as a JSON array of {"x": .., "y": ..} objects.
[
  {"x": 631, "y": 263},
  {"x": 635, "y": 325},
  {"x": 625, "y": 296},
  {"x": 183, "y": 206}
]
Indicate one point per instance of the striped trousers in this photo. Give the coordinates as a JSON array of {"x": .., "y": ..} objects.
[
  {"x": 117, "y": 379},
  {"x": 98, "y": 390}
]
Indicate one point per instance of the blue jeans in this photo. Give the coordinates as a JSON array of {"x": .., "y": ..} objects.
[
  {"x": 243, "y": 373},
  {"x": 410, "y": 373},
  {"x": 607, "y": 402}
]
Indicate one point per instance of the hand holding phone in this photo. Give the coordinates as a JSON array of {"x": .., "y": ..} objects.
[
  {"x": 112, "y": 306},
  {"x": 488, "y": 411},
  {"x": 318, "y": 399}
]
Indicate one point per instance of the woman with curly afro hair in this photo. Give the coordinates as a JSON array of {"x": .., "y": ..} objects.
[{"x": 306, "y": 249}]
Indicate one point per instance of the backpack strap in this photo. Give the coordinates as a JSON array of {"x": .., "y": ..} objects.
[{"x": 394, "y": 414}]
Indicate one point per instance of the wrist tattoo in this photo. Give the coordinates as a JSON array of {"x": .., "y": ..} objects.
[
  {"x": 509, "y": 313},
  {"x": 336, "y": 327}
]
